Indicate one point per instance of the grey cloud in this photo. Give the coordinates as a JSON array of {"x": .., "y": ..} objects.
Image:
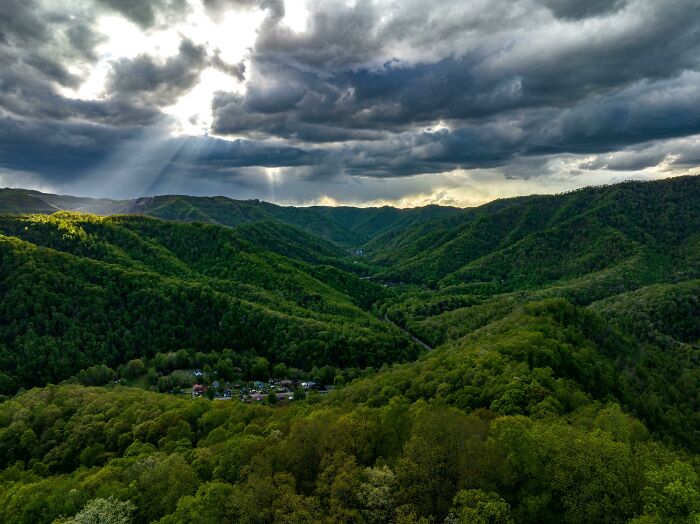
[
  {"x": 317, "y": 80},
  {"x": 84, "y": 40},
  {"x": 68, "y": 150},
  {"x": 145, "y": 13},
  {"x": 576, "y": 9},
  {"x": 65, "y": 149},
  {"x": 28, "y": 96},
  {"x": 52, "y": 69},
  {"x": 359, "y": 94},
  {"x": 680, "y": 152},
  {"x": 625, "y": 161},
  {"x": 686, "y": 154},
  {"x": 159, "y": 83},
  {"x": 235, "y": 70},
  {"x": 19, "y": 22},
  {"x": 36, "y": 45},
  {"x": 275, "y": 7},
  {"x": 35, "y": 48},
  {"x": 339, "y": 35},
  {"x": 642, "y": 113}
]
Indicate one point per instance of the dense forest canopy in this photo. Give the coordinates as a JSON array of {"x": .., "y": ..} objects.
[{"x": 532, "y": 360}]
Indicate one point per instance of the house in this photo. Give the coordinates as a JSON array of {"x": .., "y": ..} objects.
[{"x": 198, "y": 390}]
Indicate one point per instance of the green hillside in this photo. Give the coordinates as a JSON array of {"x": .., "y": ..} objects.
[
  {"x": 370, "y": 222},
  {"x": 24, "y": 201},
  {"x": 530, "y": 242},
  {"x": 348, "y": 227},
  {"x": 561, "y": 381},
  {"x": 79, "y": 290}
]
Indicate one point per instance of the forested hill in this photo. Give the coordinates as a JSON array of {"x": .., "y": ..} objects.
[
  {"x": 350, "y": 227},
  {"x": 80, "y": 290},
  {"x": 563, "y": 383},
  {"x": 25, "y": 201},
  {"x": 532, "y": 241},
  {"x": 430, "y": 243}
]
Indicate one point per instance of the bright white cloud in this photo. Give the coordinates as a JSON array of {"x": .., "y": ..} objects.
[{"x": 229, "y": 36}]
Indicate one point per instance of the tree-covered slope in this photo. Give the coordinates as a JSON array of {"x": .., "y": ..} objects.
[
  {"x": 229, "y": 212},
  {"x": 25, "y": 201},
  {"x": 520, "y": 421},
  {"x": 664, "y": 313},
  {"x": 370, "y": 222},
  {"x": 346, "y": 226},
  {"x": 533, "y": 241},
  {"x": 80, "y": 290},
  {"x": 562, "y": 385}
]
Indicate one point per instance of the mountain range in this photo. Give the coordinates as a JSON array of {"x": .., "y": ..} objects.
[{"x": 534, "y": 359}]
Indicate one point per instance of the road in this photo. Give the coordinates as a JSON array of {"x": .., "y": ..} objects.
[{"x": 415, "y": 338}]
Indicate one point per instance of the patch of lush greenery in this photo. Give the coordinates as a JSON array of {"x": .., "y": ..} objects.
[
  {"x": 564, "y": 383},
  {"x": 81, "y": 290},
  {"x": 529, "y": 242}
]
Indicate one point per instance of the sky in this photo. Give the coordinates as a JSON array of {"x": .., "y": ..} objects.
[{"x": 351, "y": 102}]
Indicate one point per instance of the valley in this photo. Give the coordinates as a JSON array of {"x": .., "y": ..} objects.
[{"x": 535, "y": 359}]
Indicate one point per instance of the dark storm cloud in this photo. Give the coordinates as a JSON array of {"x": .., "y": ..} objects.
[
  {"x": 368, "y": 89},
  {"x": 641, "y": 113},
  {"x": 30, "y": 44},
  {"x": 223, "y": 154},
  {"x": 339, "y": 35},
  {"x": 19, "y": 22},
  {"x": 73, "y": 149},
  {"x": 68, "y": 148},
  {"x": 577, "y": 10},
  {"x": 35, "y": 47},
  {"x": 274, "y": 7},
  {"x": 302, "y": 80},
  {"x": 160, "y": 83},
  {"x": 145, "y": 13}
]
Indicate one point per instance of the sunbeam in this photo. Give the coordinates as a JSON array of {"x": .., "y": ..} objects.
[{"x": 137, "y": 166}]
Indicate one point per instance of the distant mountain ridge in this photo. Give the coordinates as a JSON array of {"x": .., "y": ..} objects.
[
  {"x": 505, "y": 245},
  {"x": 346, "y": 226},
  {"x": 26, "y": 201},
  {"x": 396, "y": 235}
]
